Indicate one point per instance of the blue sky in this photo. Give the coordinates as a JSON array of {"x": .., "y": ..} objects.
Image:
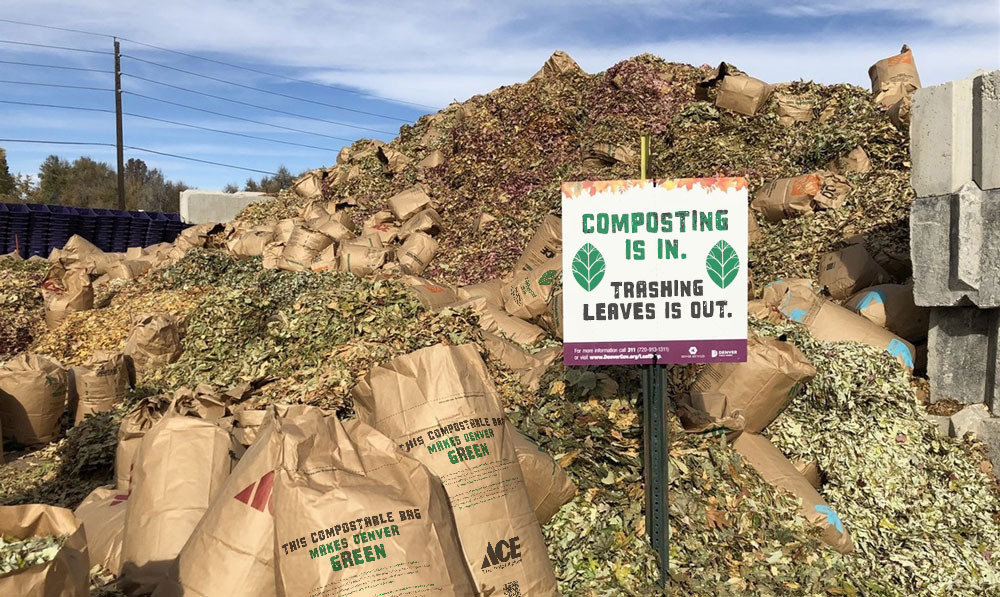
[{"x": 385, "y": 53}]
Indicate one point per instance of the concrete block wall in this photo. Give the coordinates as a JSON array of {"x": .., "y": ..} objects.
[
  {"x": 955, "y": 234},
  {"x": 200, "y": 206}
]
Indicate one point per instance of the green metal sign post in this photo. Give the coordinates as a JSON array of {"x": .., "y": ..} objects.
[{"x": 655, "y": 441}]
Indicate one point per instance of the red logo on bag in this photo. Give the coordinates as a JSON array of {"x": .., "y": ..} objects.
[
  {"x": 121, "y": 498},
  {"x": 262, "y": 496}
]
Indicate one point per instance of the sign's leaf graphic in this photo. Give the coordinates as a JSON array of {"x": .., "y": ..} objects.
[
  {"x": 722, "y": 264},
  {"x": 588, "y": 267}
]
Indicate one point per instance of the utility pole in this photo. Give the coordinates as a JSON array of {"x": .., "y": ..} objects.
[{"x": 118, "y": 126}]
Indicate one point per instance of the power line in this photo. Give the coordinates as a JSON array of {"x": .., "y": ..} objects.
[
  {"x": 55, "y": 142},
  {"x": 190, "y": 159},
  {"x": 224, "y": 132},
  {"x": 258, "y": 89},
  {"x": 37, "y": 105},
  {"x": 258, "y": 106},
  {"x": 276, "y": 75},
  {"x": 278, "y": 126},
  {"x": 25, "y": 43},
  {"x": 55, "y": 28},
  {"x": 57, "y": 85},
  {"x": 231, "y": 65},
  {"x": 173, "y": 122},
  {"x": 130, "y": 147},
  {"x": 90, "y": 70}
]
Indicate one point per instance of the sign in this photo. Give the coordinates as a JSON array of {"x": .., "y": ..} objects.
[{"x": 655, "y": 267}]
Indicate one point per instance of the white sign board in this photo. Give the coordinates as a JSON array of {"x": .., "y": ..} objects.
[{"x": 654, "y": 267}]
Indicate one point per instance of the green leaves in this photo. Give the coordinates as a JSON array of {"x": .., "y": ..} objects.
[
  {"x": 588, "y": 267},
  {"x": 722, "y": 264}
]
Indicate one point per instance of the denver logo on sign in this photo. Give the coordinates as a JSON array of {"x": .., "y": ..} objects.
[
  {"x": 260, "y": 497},
  {"x": 502, "y": 552}
]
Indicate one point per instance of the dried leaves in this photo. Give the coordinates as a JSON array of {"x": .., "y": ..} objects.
[
  {"x": 920, "y": 511},
  {"x": 18, "y": 554}
]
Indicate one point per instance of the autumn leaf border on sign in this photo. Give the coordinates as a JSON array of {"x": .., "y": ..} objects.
[{"x": 584, "y": 264}]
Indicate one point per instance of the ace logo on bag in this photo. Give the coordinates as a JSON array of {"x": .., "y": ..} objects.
[{"x": 502, "y": 552}]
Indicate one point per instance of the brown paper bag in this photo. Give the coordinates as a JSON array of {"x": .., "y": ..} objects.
[
  {"x": 354, "y": 514},
  {"x": 393, "y": 161},
  {"x": 792, "y": 109},
  {"x": 774, "y": 468},
  {"x": 891, "y": 306},
  {"x": 361, "y": 257},
  {"x": 753, "y": 229},
  {"x": 154, "y": 341},
  {"x": 544, "y": 245},
  {"x": 128, "y": 269},
  {"x": 552, "y": 319},
  {"x": 181, "y": 464},
  {"x": 774, "y": 292},
  {"x": 271, "y": 257},
  {"x": 558, "y": 64},
  {"x": 759, "y": 388},
  {"x": 33, "y": 394},
  {"x": 195, "y": 237},
  {"x": 66, "y": 575},
  {"x": 894, "y": 78},
  {"x": 792, "y": 197},
  {"x": 100, "y": 384},
  {"x": 528, "y": 294},
  {"x": 848, "y": 270},
  {"x": 491, "y": 291},
  {"x": 416, "y": 253},
  {"x": 549, "y": 487},
  {"x": 602, "y": 155},
  {"x": 326, "y": 260},
  {"x": 77, "y": 248},
  {"x": 231, "y": 550},
  {"x": 310, "y": 184},
  {"x": 810, "y": 470},
  {"x": 742, "y": 94},
  {"x": 899, "y": 112},
  {"x": 134, "y": 425},
  {"x": 75, "y": 293},
  {"x": 332, "y": 225},
  {"x": 498, "y": 321},
  {"x": 406, "y": 204},
  {"x": 303, "y": 246},
  {"x": 250, "y": 244},
  {"x": 427, "y": 221},
  {"x": 102, "y": 514},
  {"x": 529, "y": 367},
  {"x": 439, "y": 405},
  {"x": 432, "y": 296},
  {"x": 854, "y": 162},
  {"x": 829, "y": 322},
  {"x": 432, "y": 159},
  {"x": 283, "y": 229}
]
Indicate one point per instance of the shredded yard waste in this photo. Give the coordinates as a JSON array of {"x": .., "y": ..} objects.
[{"x": 923, "y": 514}]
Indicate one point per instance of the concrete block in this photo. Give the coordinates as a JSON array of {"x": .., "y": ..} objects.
[
  {"x": 968, "y": 420},
  {"x": 989, "y": 434},
  {"x": 962, "y": 354},
  {"x": 200, "y": 206},
  {"x": 942, "y": 423},
  {"x": 941, "y": 138},
  {"x": 955, "y": 247},
  {"x": 986, "y": 130}
]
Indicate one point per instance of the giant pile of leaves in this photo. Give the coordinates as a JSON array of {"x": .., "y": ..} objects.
[{"x": 507, "y": 152}]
